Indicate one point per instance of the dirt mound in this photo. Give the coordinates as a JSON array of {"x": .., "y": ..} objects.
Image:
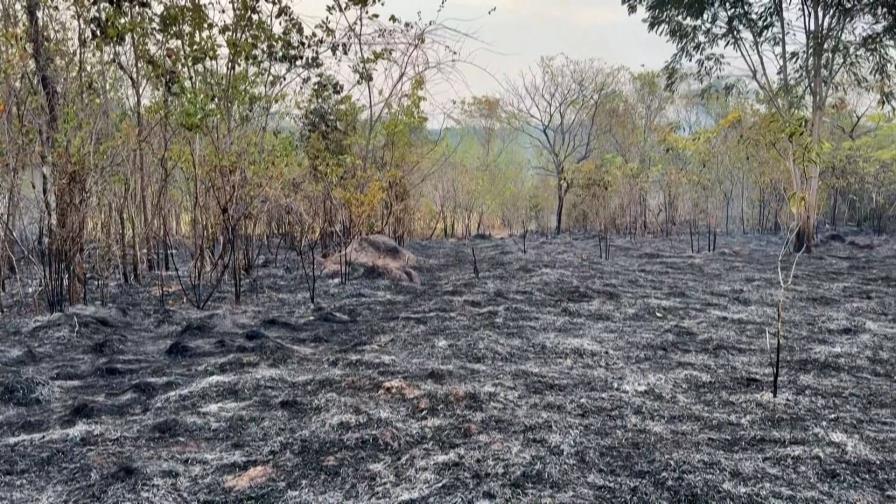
[
  {"x": 377, "y": 256},
  {"x": 95, "y": 316}
]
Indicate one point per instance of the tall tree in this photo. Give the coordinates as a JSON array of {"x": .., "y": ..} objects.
[
  {"x": 126, "y": 28},
  {"x": 61, "y": 189},
  {"x": 556, "y": 104}
]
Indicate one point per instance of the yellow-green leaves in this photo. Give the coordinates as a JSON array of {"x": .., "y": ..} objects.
[{"x": 796, "y": 201}]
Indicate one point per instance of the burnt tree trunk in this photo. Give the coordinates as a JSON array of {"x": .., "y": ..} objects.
[
  {"x": 834, "y": 202},
  {"x": 561, "y": 197},
  {"x": 805, "y": 235},
  {"x": 727, "y": 214}
]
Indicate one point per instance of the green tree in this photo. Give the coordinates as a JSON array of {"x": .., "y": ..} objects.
[
  {"x": 797, "y": 54},
  {"x": 557, "y": 105}
]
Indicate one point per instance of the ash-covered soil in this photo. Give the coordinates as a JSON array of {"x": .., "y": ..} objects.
[{"x": 554, "y": 377}]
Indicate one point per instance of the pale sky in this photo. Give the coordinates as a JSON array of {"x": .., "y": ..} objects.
[
  {"x": 521, "y": 31},
  {"x": 518, "y": 32}
]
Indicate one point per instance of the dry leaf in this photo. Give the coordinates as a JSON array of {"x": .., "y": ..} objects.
[
  {"x": 254, "y": 476},
  {"x": 399, "y": 387},
  {"x": 457, "y": 394}
]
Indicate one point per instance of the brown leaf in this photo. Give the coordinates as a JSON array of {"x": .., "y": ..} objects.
[
  {"x": 388, "y": 437},
  {"x": 457, "y": 394},
  {"x": 401, "y": 388},
  {"x": 254, "y": 476}
]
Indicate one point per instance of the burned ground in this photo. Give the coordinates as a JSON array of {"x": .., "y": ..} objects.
[{"x": 554, "y": 377}]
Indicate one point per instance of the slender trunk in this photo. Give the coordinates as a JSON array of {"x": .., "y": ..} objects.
[
  {"x": 144, "y": 190},
  {"x": 691, "y": 235},
  {"x": 760, "y": 214},
  {"x": 777, "y": 368},
  {"x": 697, "y": 233},
  {"x": 836, "y": 199},
  {"x": 805, "y": 234},
  {"x": 743, "y": 204},
  {"x": 643, "y": 202},
  {"x": 8, "y": 245},
  {"x": 122, "y": 246},
  {"x": 237, "y": 277},
  {"x": 561, "y": 196},
  {"x": 727, "y": 213}
]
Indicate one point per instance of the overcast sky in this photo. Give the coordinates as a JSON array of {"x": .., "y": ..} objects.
[{"x": 518, "y": 32}]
